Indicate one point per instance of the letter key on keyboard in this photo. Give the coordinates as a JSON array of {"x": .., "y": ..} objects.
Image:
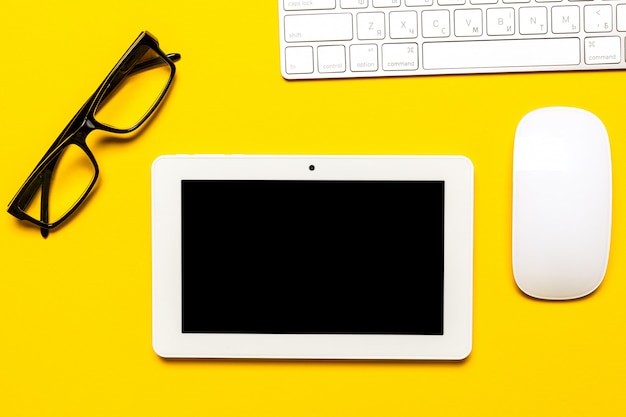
[{"x": 383, "y": 38}]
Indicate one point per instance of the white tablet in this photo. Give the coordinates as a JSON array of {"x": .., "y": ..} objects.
[{"x": 312, "y": 257}]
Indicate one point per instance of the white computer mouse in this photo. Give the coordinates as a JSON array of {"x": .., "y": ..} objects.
[{"x": 562, "y": 203}]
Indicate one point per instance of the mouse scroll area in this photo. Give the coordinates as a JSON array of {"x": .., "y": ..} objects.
[{"x": 561, "y": 203}]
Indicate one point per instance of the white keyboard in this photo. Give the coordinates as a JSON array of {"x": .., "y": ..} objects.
[{"x": 381, "y": 38}]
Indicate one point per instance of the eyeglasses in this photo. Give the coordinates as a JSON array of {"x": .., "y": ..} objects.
[{"x": 68, "y": 171}]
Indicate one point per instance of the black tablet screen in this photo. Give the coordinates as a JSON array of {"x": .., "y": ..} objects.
[{"x": 348, "y": 257}]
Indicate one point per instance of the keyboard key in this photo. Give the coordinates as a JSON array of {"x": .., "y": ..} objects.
[
  {"x": 370, "y": 25},
  {"x": 598, "y": 18},
  {"x": 400, "y": 57},
  {"x": 363, "y": 58},
  {"x": 501, "y": 21},
  {"x": 309, "y": 4},
  {"x": 299, "y": 60},
  {"x": 419, "y": 3},
  {"x": 354, "y": 4},
  {"x": 386, "y": 3},
  {"x": 603, "y": 50},
  {"x": 435, "y": 23},
  {"x": 318, "y": 27},
  {"x": 533, "y": 20},
  {"x": 450, "y": 2},
  {"x": 501, "y": 53},
  {"x": 620, "y": 11},
  {"x": 566, "y": 19},
  {"x": 468, "y": 22},
  {"x": 483, "y": 1},
  {"x": 403, "y": 25},
  {"x": 331, "y": 58}
]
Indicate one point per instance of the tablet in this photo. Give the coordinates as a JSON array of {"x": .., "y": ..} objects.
[{"x": 312, "y": 257}]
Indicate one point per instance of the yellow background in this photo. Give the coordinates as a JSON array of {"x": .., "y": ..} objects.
[{"x": 75, "y": 309}]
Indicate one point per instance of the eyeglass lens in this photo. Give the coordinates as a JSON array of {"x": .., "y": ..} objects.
[
  {"x": 137, "y": 93},
  {"x": 72, "y": 174}
]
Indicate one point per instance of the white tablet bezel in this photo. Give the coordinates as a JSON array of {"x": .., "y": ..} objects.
[{"x": 169, "y": 341}]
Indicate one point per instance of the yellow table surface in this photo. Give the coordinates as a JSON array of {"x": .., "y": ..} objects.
[{"x": 75, "y": 309}]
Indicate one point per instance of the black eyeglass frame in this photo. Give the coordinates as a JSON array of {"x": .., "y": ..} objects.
[{"x": 82, "y": 124}]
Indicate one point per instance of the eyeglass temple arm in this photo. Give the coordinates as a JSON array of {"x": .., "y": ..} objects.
[
  {"x": 174, "y": 57},
  {"x": 46, "y": 178}
]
